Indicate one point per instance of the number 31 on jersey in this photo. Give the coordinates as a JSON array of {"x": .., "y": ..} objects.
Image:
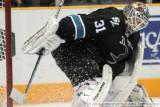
[{"x": 99, "y": 26}]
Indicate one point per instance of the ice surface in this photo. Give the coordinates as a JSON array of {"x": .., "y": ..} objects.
[
  {"x": 48, "y": 105},
  {"x": 156, "y": 100}
]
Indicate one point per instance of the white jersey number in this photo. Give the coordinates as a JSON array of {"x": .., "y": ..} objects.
[
  {"x": 115, "y": 21},
  {"x": 99, "y": 26}
]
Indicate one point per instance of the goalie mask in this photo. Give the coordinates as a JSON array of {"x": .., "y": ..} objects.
[{"x": 136, "y": 17}]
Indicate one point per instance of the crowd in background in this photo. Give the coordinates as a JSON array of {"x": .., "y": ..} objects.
[{"x": 44, "y": 3}]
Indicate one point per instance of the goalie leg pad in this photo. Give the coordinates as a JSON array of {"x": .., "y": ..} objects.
[
  {"x": 124, "y": 83},
  {"x": 95, "y": 92}
]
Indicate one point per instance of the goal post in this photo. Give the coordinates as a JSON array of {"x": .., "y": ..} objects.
[
  {"x": 6, "y": 82},
  {"x": 8, "y": 51}
]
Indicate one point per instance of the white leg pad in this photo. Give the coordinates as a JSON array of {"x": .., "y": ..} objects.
[
  {"x": 95, "y": 92},
  {"x": 123, "y": 84}
]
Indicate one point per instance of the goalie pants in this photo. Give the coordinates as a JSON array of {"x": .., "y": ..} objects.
[{"x": 79, "y": 64}]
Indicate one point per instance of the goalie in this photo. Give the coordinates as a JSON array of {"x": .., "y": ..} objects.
[{"x": 94, "y": 49}]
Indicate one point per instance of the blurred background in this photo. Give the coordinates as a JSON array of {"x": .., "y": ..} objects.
[
  {"x": 44, "y": 3},
  {"x": 50, "y": 84}
]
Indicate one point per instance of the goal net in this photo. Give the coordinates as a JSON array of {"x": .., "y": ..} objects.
[
  {"x": 2, "y": 67},
  {"x": 2, "y": 63}
]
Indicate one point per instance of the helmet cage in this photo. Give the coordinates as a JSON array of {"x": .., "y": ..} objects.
[{"x": 136, "y": 18}]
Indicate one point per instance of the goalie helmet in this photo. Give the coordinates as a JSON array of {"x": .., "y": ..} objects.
[{"x": 136, "y": 17}]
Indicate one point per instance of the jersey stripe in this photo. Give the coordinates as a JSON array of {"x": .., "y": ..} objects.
[{"x": 79, "y": 26}]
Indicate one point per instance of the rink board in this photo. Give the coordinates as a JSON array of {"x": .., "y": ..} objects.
[
  {"x": 62, "y": 92},
  {"x": 50, "y": 84}
]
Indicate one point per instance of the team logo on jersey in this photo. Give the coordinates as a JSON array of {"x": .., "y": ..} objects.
[
  {"x": 121, "y": 55},
  {"x": 115, "y": 21}
]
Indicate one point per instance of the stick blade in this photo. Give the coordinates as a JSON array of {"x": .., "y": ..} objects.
[{"x": 17, "y": 96}]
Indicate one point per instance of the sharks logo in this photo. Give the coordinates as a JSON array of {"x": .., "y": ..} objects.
[{"x": 121, "y": 55}]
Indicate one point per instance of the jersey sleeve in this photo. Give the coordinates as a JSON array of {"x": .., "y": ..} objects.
[
  {"x": 79, "y": 26},
  {"x": 66, "y": 29}
]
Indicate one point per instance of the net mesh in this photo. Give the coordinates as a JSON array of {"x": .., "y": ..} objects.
[
  {"x": 1, "y": 3},
  {"x": 2, "y": 67},
  {"x": 2, "y": 45}
]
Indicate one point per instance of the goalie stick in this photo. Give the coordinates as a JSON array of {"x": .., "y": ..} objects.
[{"x": 15, "y": 94}]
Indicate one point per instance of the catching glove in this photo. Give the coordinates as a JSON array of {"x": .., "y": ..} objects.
[{"x": 45, "y": 38}]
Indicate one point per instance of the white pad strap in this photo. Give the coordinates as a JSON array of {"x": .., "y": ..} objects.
[
  {"x": 140, "y": 96},
  {"x": 146, "y": 98}
]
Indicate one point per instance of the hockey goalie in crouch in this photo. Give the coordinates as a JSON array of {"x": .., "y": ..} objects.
[{"x": 99, "y": 52}]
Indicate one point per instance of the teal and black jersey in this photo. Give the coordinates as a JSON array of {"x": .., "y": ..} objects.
[
  {"x": 105, "y": 27},
  {"x": 98, "y": 23},
  {"x": 93, "y": 40}
]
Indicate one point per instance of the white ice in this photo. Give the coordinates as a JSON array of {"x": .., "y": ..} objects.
[
  {"x": 155, "y": 100},
  {"x": 48, "y": 105}
]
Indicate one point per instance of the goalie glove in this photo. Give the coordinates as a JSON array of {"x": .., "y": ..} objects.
[{"x": 45, "y": 38}]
